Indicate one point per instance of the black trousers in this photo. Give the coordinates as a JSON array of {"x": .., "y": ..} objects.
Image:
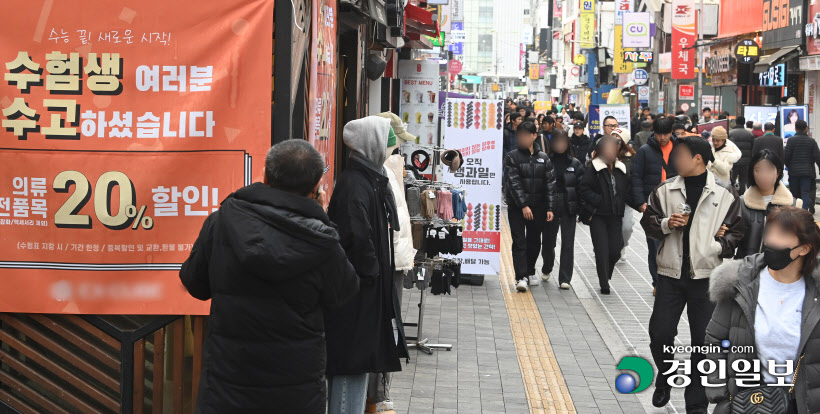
[
  {"x": 607, "y": 242},
  {"x": 526, "y": 238},
  {"x": 671, "y": 296},
  {"x": 566, "y": 224},
  {"x": 652, "y": 259}
]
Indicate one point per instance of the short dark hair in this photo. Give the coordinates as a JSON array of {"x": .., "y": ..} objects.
[
  {"x": 548, "y": 119},
  {"x": 514, "y": 116},
  {"x": 528, "y": 126},
  {"x": 740, "y": 120},
  {"x": 765, "y": 155},
  {"x": 663, "y": 125},
  {"x": 801, "y": 223},
  {"x": 680, "y": 112},
  {"x": 801, "y": 125},
  {"x": 645, "y": 108},
  {"x": 678, "y": 126},
  {"x": 601, "y": 142},
  {"x": 750, "y": 124},
  {"x": 561, "y": 135},
  {"x": 647, "y": 125},
  {"x": 578, "y": 115},
  {"x": 706, "y": 109},
  {"x": 769, "y": 126},
  {"x": 294, "y": 166},
  {"x": 608, "y": 118},
  {"x": 698, "y": 146}
]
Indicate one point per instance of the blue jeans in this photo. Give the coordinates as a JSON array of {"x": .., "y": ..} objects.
[
  {"x": 346, "y": 394},
  {"x": 801, "y": 188},
  {"x": 652, "y": 246}
]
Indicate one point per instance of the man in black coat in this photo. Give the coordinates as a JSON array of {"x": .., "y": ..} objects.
[
  {"x": 651, "y": 166},
  {"x": 770, "y": 141},
  {"x": 270, "y": 260},
  {"x": 802, "y": 154},
  {"x": 530, "y": 194},
  {"x": 360, "y": 335},
  {"x": 745, "y": 141}
]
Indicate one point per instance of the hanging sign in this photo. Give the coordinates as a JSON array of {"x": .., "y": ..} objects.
[
  {"x": 639, "y": 57},
  {"x": 747, "y": 52},
  {"x": 640, "y": 76},
  {"x": 123, "y": 130},
  {"x": 636, "y": 29},
  {"x": 475, "y": 127},
  {"x": 683, "y": 39}
]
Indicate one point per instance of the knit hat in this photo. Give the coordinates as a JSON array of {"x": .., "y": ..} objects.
[
  {"x": 719, "y": 132},
  {"x": 398, "y": 127},
  {"x": 619, "y": 132},
  {"x": 452, "y": 159}
]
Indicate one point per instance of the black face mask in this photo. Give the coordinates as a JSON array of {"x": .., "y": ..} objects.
[{"x": 778, "y": 259}]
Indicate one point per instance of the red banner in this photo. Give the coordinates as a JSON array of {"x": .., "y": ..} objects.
[
  {"x": 322, "y": 91},
  {"x": 683, "y": 39},
  {"x": 123, "y": 129}
]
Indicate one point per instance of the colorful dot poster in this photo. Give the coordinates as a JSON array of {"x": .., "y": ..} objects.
[{"x": 475, "y": 127}]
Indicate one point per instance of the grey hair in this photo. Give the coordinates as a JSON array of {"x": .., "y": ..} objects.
[{"x": 294, "y": 166}]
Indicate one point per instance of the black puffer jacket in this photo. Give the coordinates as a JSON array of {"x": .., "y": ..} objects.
[
  {"x": 530, "y": 178},
  {"x": 735, "y": 286},
  {"x": 745, "y": 141},
  {"x": 754, "y": 211},
  {"x": 509, "y": 139},
  {"x": 646, "y": 169},
  {"x": 256, "y": 258},
  {"x": 572, "y": 175},
  {"x": 598, "y": 192},
  {"x": 801, "y": 155},
  {"x": 581, "y": 146}
]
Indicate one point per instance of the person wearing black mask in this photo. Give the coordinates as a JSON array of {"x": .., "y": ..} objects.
[
  {"x": 580, "y": 142},
  {"x": 767, "y": 305},
  {"x": 697, "y": 220},
  {"x": 530, "y": 193},
  {"x": 568, "y": 174}
]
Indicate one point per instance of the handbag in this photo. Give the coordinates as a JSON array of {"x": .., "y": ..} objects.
[
  {"x": 765, "y": 399},
  {"x": 585, "y": 214}
]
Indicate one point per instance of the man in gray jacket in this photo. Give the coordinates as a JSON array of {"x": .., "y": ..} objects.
[{"x": 697, "y": 218}]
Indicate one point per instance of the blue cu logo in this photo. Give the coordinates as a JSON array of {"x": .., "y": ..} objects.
[{"x": 626, "y": 383}]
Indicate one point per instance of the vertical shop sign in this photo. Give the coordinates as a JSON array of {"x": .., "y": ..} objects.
[
  {"x": 621, "y": 7},
  {"x": 122, "y": 130},
  {"x": 475, "y": 127},
  {"x": 683, "y": 39},
  {"x": 322, "y": 91},
  {"x": 619, "y": 64}
]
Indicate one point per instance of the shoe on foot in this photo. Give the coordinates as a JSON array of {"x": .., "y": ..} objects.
[
  {"x": 605, "y": 291},
  {"x": 545, "y": 276},
  {"x": 623, "y": 255},
  {"x": 661, "y": 396},
  {"x": 521, "y": 286},
  {"x": 534, "y": 281},
  {"x": 384, "y": 407},
  {"x": 565, "y": 286}
]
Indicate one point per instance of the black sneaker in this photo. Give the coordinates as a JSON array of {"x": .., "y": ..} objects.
[
  {"x": 661, "y": 396},
  {"x": 604, "y": 291}
]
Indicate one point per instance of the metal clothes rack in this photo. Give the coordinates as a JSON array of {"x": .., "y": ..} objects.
[{"x": 419, "y": 341}]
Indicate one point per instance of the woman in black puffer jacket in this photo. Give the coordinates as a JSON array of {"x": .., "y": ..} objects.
[
  {"x": 605, "y": 191},
  {"x": 768, "y": 308},
  {"x": 568, "y": 174},
  {"x": 530, "y": 190}
]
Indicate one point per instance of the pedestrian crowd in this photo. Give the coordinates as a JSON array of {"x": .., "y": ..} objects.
[{"x": 703, "y": 198}]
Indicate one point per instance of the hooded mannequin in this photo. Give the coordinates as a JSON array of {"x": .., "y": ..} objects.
[{"x": 360, "y": 336}]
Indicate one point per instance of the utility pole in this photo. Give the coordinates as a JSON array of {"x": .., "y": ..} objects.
[{"x": 700, "y": 64}]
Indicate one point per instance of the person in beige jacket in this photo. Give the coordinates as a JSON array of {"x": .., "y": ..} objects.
[
  {"x": 697, "y": 220},
  {"x": 726, "y": 154}
]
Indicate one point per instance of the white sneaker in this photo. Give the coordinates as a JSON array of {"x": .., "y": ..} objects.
[
  {"x": 534, "y": 281},
  {"x": 623, "y": 255},
  {"x": 545, "y": 276},
  {"x": 521, "y": 286},
  {"x": 565, "y": 286}
]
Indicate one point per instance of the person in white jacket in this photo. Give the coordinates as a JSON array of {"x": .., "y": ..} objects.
[{"x": 726, "y": 154}]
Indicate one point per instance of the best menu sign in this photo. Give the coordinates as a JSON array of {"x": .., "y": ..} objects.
[{"x": 122, "y": 130}]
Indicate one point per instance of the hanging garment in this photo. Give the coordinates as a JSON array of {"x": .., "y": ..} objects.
[
  {"x": 428, "y": 204},
  {"x": 413, "y": 201},
  {"x": 445, "y": 205},
  {"x": 459, "y": 205}
]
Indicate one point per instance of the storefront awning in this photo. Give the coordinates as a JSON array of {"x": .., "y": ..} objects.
[
  {"x": 420, "y": 21},
  {"x": 781, "y": 55}
]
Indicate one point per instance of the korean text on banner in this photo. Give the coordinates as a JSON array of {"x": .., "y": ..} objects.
[
  {"x": 620, "y": 112},
  {"x": 476, "y": 128},
  {"x": 683, "y": 39},
  {"x": 322, "y": 93},
  {"x": 619, "y": 64},
  {"x": 123, "y": 129}
]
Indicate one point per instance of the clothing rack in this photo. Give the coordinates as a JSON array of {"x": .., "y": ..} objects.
[{"x": 417, "y": 341}]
